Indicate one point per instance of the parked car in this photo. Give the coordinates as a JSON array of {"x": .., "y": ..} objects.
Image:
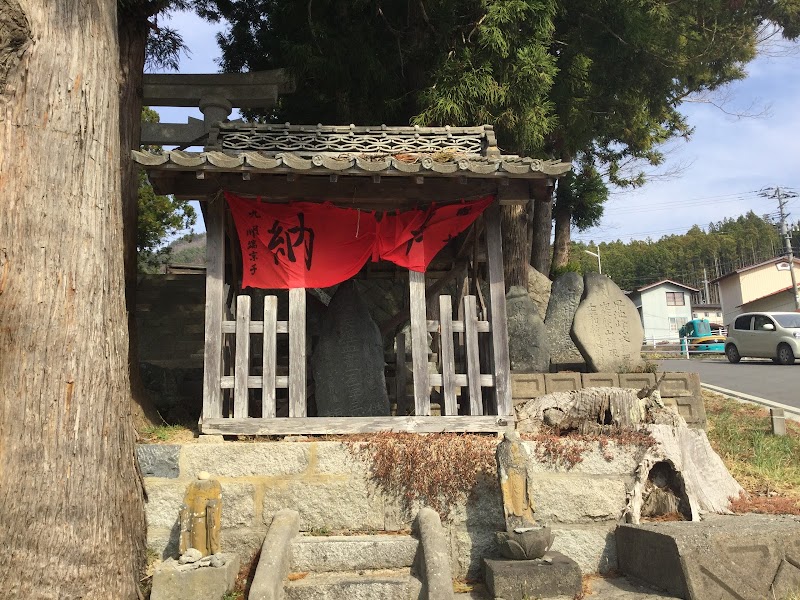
[{"x": 774, "y": 335}]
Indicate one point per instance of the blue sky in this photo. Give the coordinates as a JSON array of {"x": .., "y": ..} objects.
[{"x": 714, "y": 175}]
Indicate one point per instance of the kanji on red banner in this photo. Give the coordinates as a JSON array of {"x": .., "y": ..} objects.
[{"x": 305, "y": 244}]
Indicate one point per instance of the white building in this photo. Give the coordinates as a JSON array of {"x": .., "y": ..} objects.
[{"x": 664, "y": 307}]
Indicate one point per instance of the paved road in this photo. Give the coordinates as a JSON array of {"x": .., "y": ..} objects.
[{"x": 759, "y": 378}]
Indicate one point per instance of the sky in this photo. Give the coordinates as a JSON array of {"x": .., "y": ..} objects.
[{"x": 717, "y": 174}]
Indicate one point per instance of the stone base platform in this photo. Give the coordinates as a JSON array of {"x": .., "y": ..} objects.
[
  {"x": 549, "y": 577},
  {"x": 172, "y": 581},
  {"x": 741, "y": 557}
]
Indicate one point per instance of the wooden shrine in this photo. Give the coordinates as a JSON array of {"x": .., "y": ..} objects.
[{"x": 373, "y": 168}]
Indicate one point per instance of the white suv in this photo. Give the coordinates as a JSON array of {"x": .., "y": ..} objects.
[{"x": 774, "y": 335}]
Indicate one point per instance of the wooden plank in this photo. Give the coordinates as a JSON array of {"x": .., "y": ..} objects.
[
  {"x": 460, "y": 379},
  {"x": 497, "y": 311},
  {"x": 258, "y": 327},
  {"x": 513, "y": 191},
  {"x": 400, "y": 375},
  {"x": 419, "y": 343},
  {"x": 448, "y": 355},
  {"x": 458, "y": 326},
  {"x": 242, "y": 362},
  {"x": 254, "y": 382},
  {"x": 269, "y": 356},
  {"x": 346, "y": 425},
  {"x": 215, "y": 291},
  {"x": 297, "y": 352},
  {"x": 473, "y": 356}
]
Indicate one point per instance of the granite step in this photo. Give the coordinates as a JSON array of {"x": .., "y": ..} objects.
[
  {"x": 321, "y": 554},
  {"x": 386, "y": 584}
]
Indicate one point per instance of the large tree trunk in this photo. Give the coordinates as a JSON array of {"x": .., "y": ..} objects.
[
  {"x": 133, "y": 30},
  {"x": 561, "y": 241},
  {"x": 72, "y": 512},
  {"x": 542, "y": 227},
  {"x": 514, "y": 224}
]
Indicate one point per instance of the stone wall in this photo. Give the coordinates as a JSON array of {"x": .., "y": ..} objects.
[
  {"x": 332, "y": 491},
  {"x": 679, "y": 390}
]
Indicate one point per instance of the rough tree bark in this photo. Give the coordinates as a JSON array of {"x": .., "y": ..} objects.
[
  {"x": 514, "y": 225},
  {"x": 561, "y": 240},
  {"x": 542, "y": 227},
  {"x": 133, "y": 31},
  {"x": 72, "y": 519}
]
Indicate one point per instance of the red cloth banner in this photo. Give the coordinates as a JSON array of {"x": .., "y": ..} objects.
[{"x": 305, "y": 244}]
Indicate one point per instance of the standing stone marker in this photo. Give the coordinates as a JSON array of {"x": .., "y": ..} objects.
[
  {"x": 539, "y": 290},
  {"x": 348, "y": 361},
  {"x": 200, "y": 517},
  {"x": 607, "y": 328},
  {"x": 528, "y": 349},
  {"x": 565, "y": 296}
]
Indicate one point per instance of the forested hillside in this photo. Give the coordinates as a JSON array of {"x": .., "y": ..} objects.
[{"x": 719, "y": 248}]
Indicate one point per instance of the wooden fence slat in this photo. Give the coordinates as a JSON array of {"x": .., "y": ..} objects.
[
  {"x": 297, "y": 352},
  {"x": 473, "y": 356},
  {"x": 448, "y": 355},
  {"x": 400, "y": 375},
  {"x": 269, "y": 356},
  {"x": 497, "y": 311},
  {"x": 345, "y": 425},
  {"x": 215, "y": 300},
  {"x": 242, "y": 364},
  {"x": 419, "y": 343}
]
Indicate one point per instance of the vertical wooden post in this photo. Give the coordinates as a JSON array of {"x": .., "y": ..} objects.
[
  {"x": 473, "y": 356},
  {"x": 497, "y": 311},
  {"x": 419, "y": 343},
  {"x": 297, "y": 352},
  {"x": 215, "y": 275},
  {"x": 448, "y": 356},
  {"x": 400, "y": 375},
  {"x": 242, "y": 365},
  {"x": 269, "y": 357}
]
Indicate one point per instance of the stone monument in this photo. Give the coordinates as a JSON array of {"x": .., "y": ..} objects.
[
  {"x": 607, "y": 328},
  {"x": 202, "y": 571},
  {"x": 529, "y": 571},
  {"x": 528, "y": 349},
  {"x": 565, "y": 296},
  {"x": 347, "y": 364}
]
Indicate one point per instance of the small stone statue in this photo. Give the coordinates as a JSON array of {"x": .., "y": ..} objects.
[
  {"x": 524, "y": 538},
  {"x": 200, "y": 516}
]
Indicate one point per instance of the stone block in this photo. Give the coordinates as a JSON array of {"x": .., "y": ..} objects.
[
  {"x": 636, "y": 380},
  {"x": 691, "y": 408},
  {"x": 562, "y": 382},
  {"x": 740, "y": 557},
  {"x": 158, "y": 460},
  {"x": 244, "y": 541},
  {"x": 336, "y": 458},
  {"x": 527, "y": 385},
  {"x": 610, "y": 459},
  {"x": 468, "y": 546},
  {"x": 555, "y": 575},
  {"x": 238, "y": 504},
  {"x": 164, "y": 541},
  {"x": 674, "y": 385},
  {"x": 593, "y": 547},
  {"x": 243, "y": 460},
  {"x": 210, "y": 438},
  {"x": 590, "y": 380},
  {"x": 174, "y": 582},
  {"x": 332, "y": 504},
  {"x": 352, "y": 552},
  {"x": 578, "y": 498},
  {"x": 163, "y": 503}
]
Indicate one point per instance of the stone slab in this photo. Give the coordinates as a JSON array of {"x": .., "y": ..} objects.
[
  {"x": 242, "y": 460},
  {"x": 740, "y": 557},
  {"x": 171, "y": 582},
  {"x": 672, "y": 384},
  {"x": 589, "y": 380},
  {"x": 562, "y": 382},
  {"x": 593, "y": 547},
  {"x": 158, "y": 460},
  {"x": 523, "y": 579},
  {"x": 353, "y": 585},
  {"x": 525, "y": 386},
  {"x": 637, "y": 380},
  {"x": 691, "y": 408},
  {"x": 565, "y": 296},
  {"x": 528, "y": 347},
  {"x": 352, "y": 552},
  {"x": 561, "y": 498},
  {"x": 539, "y": 287}
]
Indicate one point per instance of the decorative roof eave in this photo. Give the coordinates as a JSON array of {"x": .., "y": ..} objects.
[{"x": 429, "y": 165}]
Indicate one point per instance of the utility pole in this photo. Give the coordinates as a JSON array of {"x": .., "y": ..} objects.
[
  {"x": 783, "y": 198},
  {"x": 705, "y": 285}
]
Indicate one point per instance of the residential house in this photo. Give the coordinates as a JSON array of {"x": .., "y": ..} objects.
[
  {"x": 764, "y": 286},
  {"x": 712, "y": 312},
  {"x": 664, "y": 307}
]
